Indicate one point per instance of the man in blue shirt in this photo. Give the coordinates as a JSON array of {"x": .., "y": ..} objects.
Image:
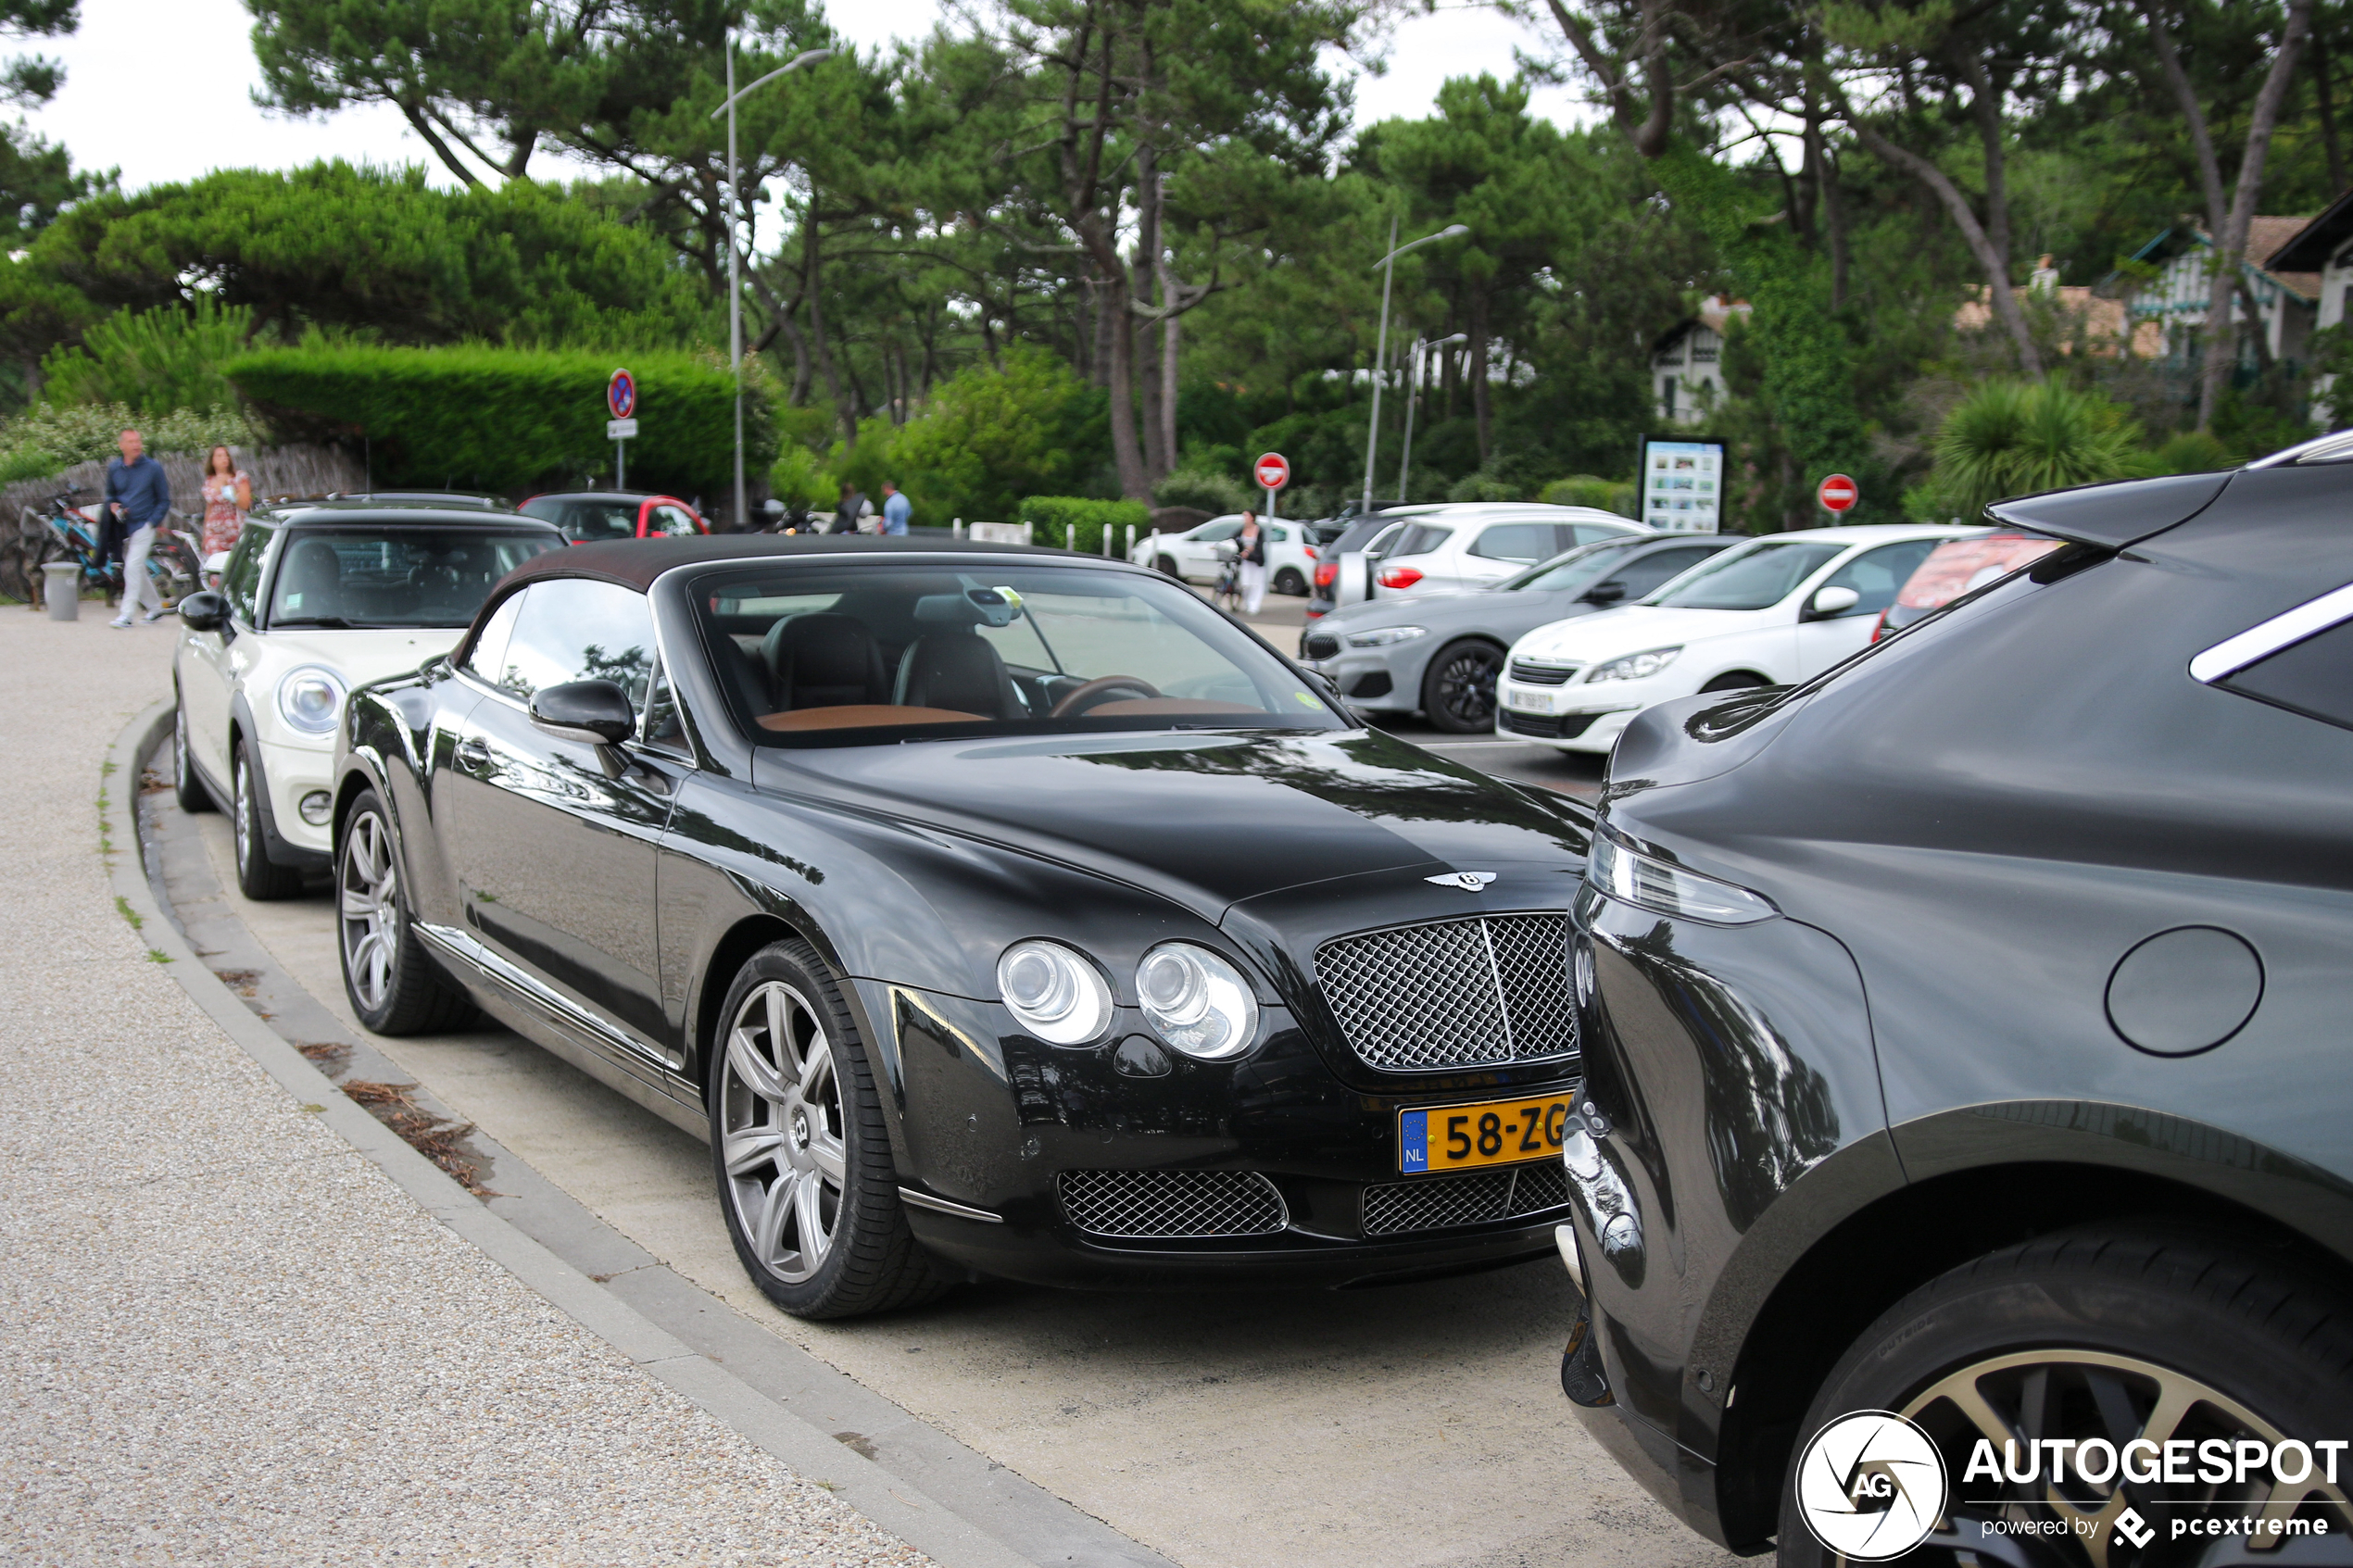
[
  {"x": 141, "y": 496},
  {"x": 896, "y": 508}
]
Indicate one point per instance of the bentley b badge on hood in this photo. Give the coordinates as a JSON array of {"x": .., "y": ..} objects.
[{"x": 1469, "y": 881}]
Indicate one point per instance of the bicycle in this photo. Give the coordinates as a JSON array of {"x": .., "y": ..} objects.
[
  {"x": 1227, "y": 595},
  {"x": 72, "y": 533}
]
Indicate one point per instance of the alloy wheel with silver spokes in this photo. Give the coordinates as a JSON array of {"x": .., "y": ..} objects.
[
  {"x": 782, "y": 1131},
  {"x": 368, "y": 911},
  {"x": 2096, "y": 1409}
]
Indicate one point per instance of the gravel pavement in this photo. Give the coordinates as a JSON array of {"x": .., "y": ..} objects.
[{"x": 226, "y": 1335}]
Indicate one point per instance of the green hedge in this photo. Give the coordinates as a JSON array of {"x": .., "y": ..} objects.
[
  {"x": 511, "y": 420},
  {"x": 1052, "y": 513}
]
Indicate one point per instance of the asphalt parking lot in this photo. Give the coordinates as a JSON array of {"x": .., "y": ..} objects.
[
  {"x": 1212, "y": 1429},
  {"x": 1279, "y": 620}
]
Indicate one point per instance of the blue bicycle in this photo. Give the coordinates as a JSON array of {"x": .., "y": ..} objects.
[{"x": 70, "y": 531}]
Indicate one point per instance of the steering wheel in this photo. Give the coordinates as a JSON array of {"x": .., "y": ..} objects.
[{"x": 1101, "y": 685}]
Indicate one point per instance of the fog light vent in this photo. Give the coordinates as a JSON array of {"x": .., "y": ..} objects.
[
  {"x": 1137, "y": 1205},
  {"x": 316, "y": 807}
]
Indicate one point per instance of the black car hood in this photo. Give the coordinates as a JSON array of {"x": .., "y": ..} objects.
[{"x": 1208, "y": 820}]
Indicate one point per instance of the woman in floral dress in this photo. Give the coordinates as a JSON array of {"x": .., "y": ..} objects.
[{"x": 228, "y": 496}]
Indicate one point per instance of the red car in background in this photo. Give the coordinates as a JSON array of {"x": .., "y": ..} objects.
[
  {"x": 588, "y": 515},
  {"x": 1956, "y": 567}
]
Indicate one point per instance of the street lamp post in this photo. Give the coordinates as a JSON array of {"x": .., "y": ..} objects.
[
  {"x": 734, "y": 248},
  {"x": 1412, "y": 388},
  {"x": 1388, "y": 264}
]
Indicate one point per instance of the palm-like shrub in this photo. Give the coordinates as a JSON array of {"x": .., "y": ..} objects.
[{"x": 2014, "y": 438}]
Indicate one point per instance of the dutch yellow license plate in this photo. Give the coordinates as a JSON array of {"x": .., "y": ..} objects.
[{"x": 1463, "y": 1137}]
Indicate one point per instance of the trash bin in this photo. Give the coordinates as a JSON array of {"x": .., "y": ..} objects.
[{"x": 63, "y": 589}]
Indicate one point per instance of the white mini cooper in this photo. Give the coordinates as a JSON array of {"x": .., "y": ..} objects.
[{"x": 317, "y": 597}]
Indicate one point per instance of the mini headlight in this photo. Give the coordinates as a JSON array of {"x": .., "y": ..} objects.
[
  {"x": 1651, "y": 884},
  {"x": 1196, "y": 1001},
  {"x": 1381, "y": 637},
  {"x": 310, "y": 698},
  {"x": 1058, "y": 995},
  {"x": 1636, "y": 666}
]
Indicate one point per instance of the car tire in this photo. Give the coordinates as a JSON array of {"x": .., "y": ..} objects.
[
  {"x": 1166, "y": 567},
  {"x": 800, "y": 1150},
  {"x": 1458, "y": 689},
  {"x": 186, "y": 788},
  {"x": 393, "y": 983},
  {"x": 257, "y": 876},
  {"x": 2064, "y": 1335},
  {"x": 1289, "y": 583},
  {"x": 1734, "y": 680}
]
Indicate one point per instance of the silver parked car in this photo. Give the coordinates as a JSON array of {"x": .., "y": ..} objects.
[{"x": 1438, "y": 654}]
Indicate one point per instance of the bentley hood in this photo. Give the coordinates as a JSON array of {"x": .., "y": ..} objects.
[{"x": 1209, "y": 819}]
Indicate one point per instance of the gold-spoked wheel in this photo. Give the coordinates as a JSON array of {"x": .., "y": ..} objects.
[
  {"x": 782, "y": 1132},
  {"x": 2103, "y": 1407}
]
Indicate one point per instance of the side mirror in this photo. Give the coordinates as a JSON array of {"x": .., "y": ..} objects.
[
  {"x": 1603, "y": 593},
  {"x": 203, "y": 612},
  {"x": 592, "y": 712},
  {"x": 1830, "y": 602}
]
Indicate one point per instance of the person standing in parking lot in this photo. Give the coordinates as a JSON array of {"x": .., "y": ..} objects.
[
  {"x": 1250, "y": 547},
  {"x": 141, "y": 496},
  {"x": 228, "y": 496},
  {"x": 896, "y": 508},
  {"x": 854, "y": 508}
]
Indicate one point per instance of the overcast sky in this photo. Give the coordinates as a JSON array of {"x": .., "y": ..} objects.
[{"x": 161, "y": 89}]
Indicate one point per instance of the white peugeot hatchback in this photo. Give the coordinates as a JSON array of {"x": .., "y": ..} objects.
[
  {"x": 1771, "y": 612},
  {"x": 316, "y": 599}
]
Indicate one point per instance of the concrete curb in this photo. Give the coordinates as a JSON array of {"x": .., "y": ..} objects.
[{"x": 809, "y": 1451}]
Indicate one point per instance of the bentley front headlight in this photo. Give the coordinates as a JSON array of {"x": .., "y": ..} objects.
[
  {"x": 1058, "y": 994},
  {"x": 1196, "y": 1001}
]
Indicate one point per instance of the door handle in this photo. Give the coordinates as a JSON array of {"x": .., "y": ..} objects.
[{"x": 473, "y": 754}]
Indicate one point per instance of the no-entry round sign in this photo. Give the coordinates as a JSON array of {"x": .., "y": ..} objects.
[
  {"x": 620, "y": 394},
  {"x": 1838, "y": 493},
  {"x": 1272, "y": 470}
]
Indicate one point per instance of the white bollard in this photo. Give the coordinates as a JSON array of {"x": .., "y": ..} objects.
[
  {"x": 1070, "y": 536},
  {"x": 1028, "y": 533},
  {"x": 956, "y": 528},
  {"x": 1131, "y": 541},
  {"x": 61, "y": 589}
]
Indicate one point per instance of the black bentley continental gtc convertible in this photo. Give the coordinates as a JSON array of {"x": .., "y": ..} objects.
[{"x": 991, "y": 911}]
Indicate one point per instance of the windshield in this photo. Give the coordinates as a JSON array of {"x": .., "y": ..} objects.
[
  {"x": 1751, "y": 577},
  {"x": 1578, "y": 568},
  {"x": 855, "y": 654},
  {"x": 398, "y": 575}
]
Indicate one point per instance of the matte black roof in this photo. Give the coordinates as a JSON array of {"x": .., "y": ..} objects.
[{"x": 638, "y": 561}]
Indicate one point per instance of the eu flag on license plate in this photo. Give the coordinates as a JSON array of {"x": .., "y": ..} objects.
[{"x": 1413, "y": 1141}]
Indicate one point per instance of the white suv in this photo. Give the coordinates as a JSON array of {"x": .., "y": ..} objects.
[
  {"x": 1771, "y": 612},
  {"x": 317, "y": 597},
  {"x": 1476, "y": 544}
]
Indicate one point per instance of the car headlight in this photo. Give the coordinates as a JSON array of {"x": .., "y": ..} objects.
[
  {"x": 1196, "y": 1001},
  {"x": 1058, "y": 995},
  {"x": 1383, "y": 636},
  {"x": 1636, "y": 666},
  {"x": 1648, "y": 882},
  {"x": 310, "y": 698}
]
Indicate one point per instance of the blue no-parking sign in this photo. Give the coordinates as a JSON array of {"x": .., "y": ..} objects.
[{"x": 620, "y": 394}]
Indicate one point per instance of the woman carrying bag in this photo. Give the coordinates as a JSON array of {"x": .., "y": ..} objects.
[{"x": 1250, "y": 554}]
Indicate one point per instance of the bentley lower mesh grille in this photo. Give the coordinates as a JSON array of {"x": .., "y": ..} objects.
[
  {"x": 1460, "y": 993},
  {"x": 1395, "y": 1208},
  {"x": 1168, "y": 1204}
]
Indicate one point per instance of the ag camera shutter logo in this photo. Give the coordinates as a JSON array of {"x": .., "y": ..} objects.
[{"x": 1870, "y": 1486}]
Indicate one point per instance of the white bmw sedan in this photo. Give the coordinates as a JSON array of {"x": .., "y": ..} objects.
[{"x": 1773, "y": 611}]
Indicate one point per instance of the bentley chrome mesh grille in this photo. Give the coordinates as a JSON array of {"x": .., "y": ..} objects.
[
  {"x": 1458, "y": 993},
  {"x": 1169, "y": 1204},
  {"x": 1394, "y": 1207}
]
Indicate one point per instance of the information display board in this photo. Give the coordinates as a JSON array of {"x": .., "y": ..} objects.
[{"x": 1682, "y": 484}]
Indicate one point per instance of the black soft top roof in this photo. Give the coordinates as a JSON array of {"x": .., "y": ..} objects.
[{"x": 638, "y": 562}]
